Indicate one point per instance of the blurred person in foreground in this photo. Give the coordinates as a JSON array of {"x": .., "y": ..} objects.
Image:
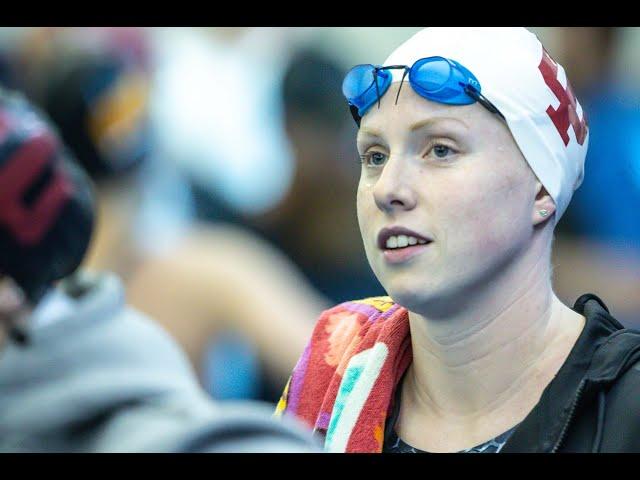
[
  {"x": 85, "y": 372},
  {"x": 192, "y": 277},
  {"x": 471, "y": 149},
  {"x": 313, "y": 223},
  {"x": 598, "y": 243},
  {"x": 316, "y": 223}
]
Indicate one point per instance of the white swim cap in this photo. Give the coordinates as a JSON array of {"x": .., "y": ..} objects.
[{"x": 530, "y": 89}]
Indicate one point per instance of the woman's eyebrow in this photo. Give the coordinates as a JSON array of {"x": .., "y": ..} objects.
[
  {"x": 369, "y": 132},
  {"x": 431, "y": 122}
]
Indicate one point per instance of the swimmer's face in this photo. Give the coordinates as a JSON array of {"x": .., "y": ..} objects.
[{"x": 455, "y": 177}]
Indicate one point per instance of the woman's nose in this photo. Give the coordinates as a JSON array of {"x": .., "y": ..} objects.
[{"x": 393, "y": 189}]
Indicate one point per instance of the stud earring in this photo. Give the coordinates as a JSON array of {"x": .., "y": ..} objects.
[{"x": 543, "y": 213}]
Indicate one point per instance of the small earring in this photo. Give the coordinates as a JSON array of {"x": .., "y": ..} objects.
[{"x": 543, "y": 213}]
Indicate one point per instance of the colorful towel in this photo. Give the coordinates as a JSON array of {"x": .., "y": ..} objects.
[{"x": 343, "y": 384}]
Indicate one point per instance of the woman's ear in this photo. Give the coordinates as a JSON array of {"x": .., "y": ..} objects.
[{"x": 544, "y": 207}]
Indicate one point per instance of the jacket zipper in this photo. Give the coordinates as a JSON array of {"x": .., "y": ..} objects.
[{"x": 563, "y": 434}]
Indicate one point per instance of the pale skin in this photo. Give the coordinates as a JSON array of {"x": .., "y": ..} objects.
[{"x": 488, "y": 332}]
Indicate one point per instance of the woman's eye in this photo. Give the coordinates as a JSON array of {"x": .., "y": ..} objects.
[
  {"x": 442, "y": 151},
  {"x": 374, "y": 159}
]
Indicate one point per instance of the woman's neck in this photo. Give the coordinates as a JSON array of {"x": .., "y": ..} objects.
[{"x": 484, "y": 368}]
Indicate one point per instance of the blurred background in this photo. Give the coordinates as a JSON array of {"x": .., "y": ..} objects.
[{"x": 225, "y": 165}]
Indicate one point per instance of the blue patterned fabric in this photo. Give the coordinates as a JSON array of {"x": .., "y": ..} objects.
[{"x": 394, "y": 444}]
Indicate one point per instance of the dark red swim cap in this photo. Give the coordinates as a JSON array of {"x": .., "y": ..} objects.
[{"x": 46, "y": 200}]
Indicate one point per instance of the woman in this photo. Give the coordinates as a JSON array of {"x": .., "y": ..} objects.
[{"x": 472, "y": 144}]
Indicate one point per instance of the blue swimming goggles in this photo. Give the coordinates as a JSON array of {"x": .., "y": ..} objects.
[{"x": 434, "y": 78}]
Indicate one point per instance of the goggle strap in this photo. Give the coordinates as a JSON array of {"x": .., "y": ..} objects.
[
  {"x": 375, "y": 79},
  {"x": 354, "y": 113},
  {"x": 401, "y": 82},
  {"x": 478, "y": 97}
]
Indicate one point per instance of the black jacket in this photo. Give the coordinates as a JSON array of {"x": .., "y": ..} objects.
[{"x": 593, "y": 403}]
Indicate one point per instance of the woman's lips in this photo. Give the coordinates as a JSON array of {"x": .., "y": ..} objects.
[
  {"x": 401, "y": 255},
  {"x": 400, "y": 244},
  {"x": 386, "y": 233}
]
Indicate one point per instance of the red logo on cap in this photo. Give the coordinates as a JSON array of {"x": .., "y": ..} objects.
[
  {"x": 566, "y": 113},
  {"x": 30, "y": 224}
]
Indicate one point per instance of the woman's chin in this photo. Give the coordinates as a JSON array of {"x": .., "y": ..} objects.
[{"x": 410, "y": 297}]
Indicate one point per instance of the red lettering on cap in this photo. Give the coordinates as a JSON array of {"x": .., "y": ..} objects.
[
  {"x": 29, "y": 224},
  {"x": 566, "y": 113}
]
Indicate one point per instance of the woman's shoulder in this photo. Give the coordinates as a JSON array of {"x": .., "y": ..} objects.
[
  {"x": 621, "y": 411},
  {"x": 348, "y": 319},
  {"x": 340, "y": 335}
]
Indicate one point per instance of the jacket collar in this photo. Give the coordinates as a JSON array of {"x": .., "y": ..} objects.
[{"x": 542, "y": 428}]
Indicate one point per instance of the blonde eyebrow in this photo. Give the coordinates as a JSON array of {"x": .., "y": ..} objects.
[
  {"x": 429, "y": 122},
  {"x": 371, "y": 133}
]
